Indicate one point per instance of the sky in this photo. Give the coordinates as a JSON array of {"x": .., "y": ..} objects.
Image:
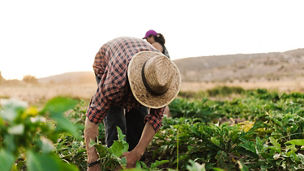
[{"x": 43, "y": 38}]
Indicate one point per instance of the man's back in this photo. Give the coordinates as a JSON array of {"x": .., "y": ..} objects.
[
  {"x": 110, "y": 66},
  {"x": 118, "y": 52}
]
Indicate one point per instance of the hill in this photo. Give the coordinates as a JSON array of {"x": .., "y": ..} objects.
[
  {"x": 281, "y": 71},
  {"x": 275, "y": 66},
  {"x": 243, "y": 67},
  {"x": 70, "y": 78}
]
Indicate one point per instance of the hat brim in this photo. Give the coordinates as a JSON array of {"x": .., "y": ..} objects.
[{"x": 141, "y": 94}]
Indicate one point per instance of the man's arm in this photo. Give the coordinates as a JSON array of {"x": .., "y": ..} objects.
[
  {"x": 145, "y": 139},
  {"x": 153, "y": 123},
  {"x": 138, "y": 151},
  {"x": 90, "y": 134}
]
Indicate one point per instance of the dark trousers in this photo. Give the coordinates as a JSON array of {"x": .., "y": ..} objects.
[{"x": 131, "y": 123}]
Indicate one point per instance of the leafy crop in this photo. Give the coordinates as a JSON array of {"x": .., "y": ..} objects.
[
  {"x": 111, "y": 158},
  {"x": 254, "y": 130},
  {"x": 260, "y": 130}
]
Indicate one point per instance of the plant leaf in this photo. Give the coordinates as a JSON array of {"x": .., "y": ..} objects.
[
  {"x": 248, "y": 145},
  {"x": 242, "y": 166},
  {"x": 158, "y": 163},
  {"x": 215, "y": 141},
  {"x": 196, "y": 166},
  {"x": 121, "y": 136},
  {"x": 119, "y": 146},
  {"x": 59, "y": 105},
  {"x": 65, "y": 124},
  {"x": 16, "y": 130},
  {"x": 11, "y": 108},
  {"x": 6, "y": 160},
  {"x": 117, "y": 149},
  {"x": 46, "y": 145},
  {"x": 46, "y": 162},
  {"x": 218, "y": 169},
  {"x": 274, "y": 142},
  {"x": 296, "y": 142}
]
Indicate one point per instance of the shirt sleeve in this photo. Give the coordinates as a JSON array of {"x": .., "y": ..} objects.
[
  {"x": 106, "y": 94},
  {"x": 155, "y": 118},
  {"x": 100, "y": 62},
  {"x": 98, "y": 107}
]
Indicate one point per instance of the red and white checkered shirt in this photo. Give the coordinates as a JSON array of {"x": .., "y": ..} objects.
[{"x": 111, "y": 64}]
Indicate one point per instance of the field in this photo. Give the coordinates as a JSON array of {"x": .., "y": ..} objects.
[
  {"x": 221, "y": 128},
  {"x": 39, "y": 93}
]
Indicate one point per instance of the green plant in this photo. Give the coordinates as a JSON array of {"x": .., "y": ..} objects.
[
  {"x": 251, "y": 132},
  {"x": 27, "y": 135},
  {"x": 195, "y": 166},
  {"x": 224, "y": 91},
  {"x": 111, "y": 158},
  {"x": 259, "y": 130}
]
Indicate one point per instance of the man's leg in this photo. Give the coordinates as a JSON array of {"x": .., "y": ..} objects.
[
  {"x": 115, "y": 117},
  {"x": 135, "y": 125}
]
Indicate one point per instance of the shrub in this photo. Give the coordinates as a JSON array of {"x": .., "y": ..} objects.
[{"x": 30, "y": 79}]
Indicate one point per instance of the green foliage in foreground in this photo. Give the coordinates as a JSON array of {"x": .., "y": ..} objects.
[
  {"x": 111, "y": 158},
  {"x": 27, "y": 136}
]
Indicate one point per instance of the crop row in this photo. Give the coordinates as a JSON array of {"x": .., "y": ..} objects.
[{"x": 220, "y": 129}]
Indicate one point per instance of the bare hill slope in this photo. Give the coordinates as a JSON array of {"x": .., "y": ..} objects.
[
  {"x": 287, "y": 65},
  {"x": 273, "y": 66},
  {"x": 70, "y": 78}
]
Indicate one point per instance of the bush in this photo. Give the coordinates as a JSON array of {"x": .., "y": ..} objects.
[
  {"x": 192, "y": 94},
  {"x": 30, "y": 79},
  {"x": 225, "y": 91}
]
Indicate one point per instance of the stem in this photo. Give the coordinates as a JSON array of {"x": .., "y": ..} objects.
[
  {"x": 289, "y": 135},
  {"x": 177, "y": 141}
]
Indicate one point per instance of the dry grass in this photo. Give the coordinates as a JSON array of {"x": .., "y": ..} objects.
[{"x": 39, "y": 93}]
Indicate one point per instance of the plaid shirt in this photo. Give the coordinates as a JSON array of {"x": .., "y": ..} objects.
[{"x": 110, "y": 65}]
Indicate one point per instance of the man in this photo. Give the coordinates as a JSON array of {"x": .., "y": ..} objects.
[{"x": 132, "y": 77}]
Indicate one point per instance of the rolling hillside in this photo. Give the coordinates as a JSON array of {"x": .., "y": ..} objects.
[
  {"x": 70, "y": 78},
  {"x": 273, "y": 66}
]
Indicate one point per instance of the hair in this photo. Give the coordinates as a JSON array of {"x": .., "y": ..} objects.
[{"x": 160, "y": 39}]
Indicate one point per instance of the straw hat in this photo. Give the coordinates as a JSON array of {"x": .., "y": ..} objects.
[{"x": 154, "y": 80}]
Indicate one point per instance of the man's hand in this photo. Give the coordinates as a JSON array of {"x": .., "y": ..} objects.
[
  {"x": 94, "y": 168},
  {"x": 138, "y": 151},
  {"x": 132, "y": 157}
]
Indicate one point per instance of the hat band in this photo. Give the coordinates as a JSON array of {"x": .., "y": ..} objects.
[{"x": 147, "y": 85}]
